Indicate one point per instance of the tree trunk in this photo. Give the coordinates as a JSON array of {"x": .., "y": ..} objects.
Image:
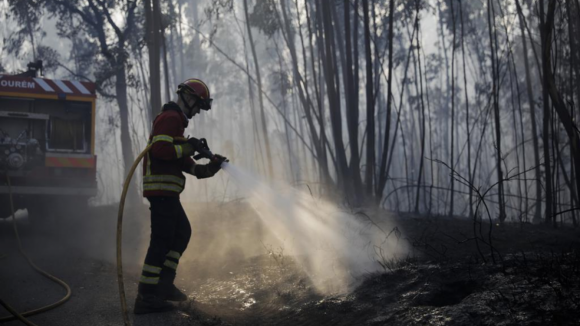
[
  {"x": 322, "y": 158},
  {"x": 351, "y": 95},
  {"x": 495, "y": 95},
  {"x": 531, "y": 103},
  {"x": 330, "y": 75},
  {"x": 422, "y": 157},
  {"x": 303, "y": 91},
  {"x": 370, "y": 151},
  {"x": 171, "y": 47},
  {"x": 469, "y": 178},
  {"x": 546, "y": 31},
  {"x": 152, "y": 37},
  {"x": 260, "y": 97},
  {"x": 127, "y": 146},
  {"x": 452, "y": 160},
  {"x": 559, "y": 104},
  {"x": 165, "y": 66},
  {"x": 383, "y": 173},
  {"x": 180, "y": 75}
]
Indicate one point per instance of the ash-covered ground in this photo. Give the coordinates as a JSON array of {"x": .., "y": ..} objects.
[{"x": 236, "y": 273}]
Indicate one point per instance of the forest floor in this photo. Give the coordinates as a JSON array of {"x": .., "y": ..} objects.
[{"x": 236, "y": 274}]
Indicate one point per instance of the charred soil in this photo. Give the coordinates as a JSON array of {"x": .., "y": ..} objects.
[
  {"x": 446, "y": 280},
  {"x": 236, "y": 273}
]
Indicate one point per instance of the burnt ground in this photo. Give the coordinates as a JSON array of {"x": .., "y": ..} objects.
[{"x": 236, "y": 274}]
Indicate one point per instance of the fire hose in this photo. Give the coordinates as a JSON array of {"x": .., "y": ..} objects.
[
  {"x": 16, "y": 314},
  {"x": 201, "y": 147}
]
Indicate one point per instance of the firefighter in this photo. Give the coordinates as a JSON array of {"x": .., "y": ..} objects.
[{"x": 163, "y": 181}]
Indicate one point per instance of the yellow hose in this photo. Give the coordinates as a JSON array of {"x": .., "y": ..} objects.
[
  {"x": 21, "y": 316},
  {"x": 120, "y": 235}
]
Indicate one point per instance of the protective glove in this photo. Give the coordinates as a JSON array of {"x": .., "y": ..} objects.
[
  {"x": 201, "y": 147},
  {"x": 187, "y": 149},
  {"x": 216, "y": 163},
  {"x": 219, "y": 159},
  {"x": 203, "y": 171},
  {"x": 194, "y": 142}
]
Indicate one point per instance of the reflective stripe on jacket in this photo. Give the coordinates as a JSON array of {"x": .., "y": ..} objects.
[{"x": 164, "y": 164}]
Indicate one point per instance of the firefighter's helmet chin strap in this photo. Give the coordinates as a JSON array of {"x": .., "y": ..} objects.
[{"x": 189, "y": 108}]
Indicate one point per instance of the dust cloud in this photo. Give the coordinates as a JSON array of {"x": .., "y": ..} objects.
[{"x": 334, "y": 247}]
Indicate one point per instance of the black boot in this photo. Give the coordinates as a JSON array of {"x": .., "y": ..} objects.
[
  {"x": 167, "y": 290},
  {"x": 150, "y": 303}
]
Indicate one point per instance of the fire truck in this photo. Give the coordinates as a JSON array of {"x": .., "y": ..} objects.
[{"x": 47, "y": 143}]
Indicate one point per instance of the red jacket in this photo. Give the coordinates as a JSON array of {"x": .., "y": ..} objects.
[{"x": 164, "y": 164}]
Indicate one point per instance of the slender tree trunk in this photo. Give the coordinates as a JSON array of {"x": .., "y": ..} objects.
[
  {"x": 322, "y": 158},
  {"x": 257, "y": 142},
  {"x": 470, "y": 179},
  {"x": 431, "y": 136},
  {"x": 319, "y": 88},
  {"x": 283, "y": 94},
  {"x": 171, "y": 48},
  {"x": 574, "y": 40},
  {"x": 422, "y": 158},
  {"x": 495, "y": 94},
  {"x": 30, "y": 28},
  {"x": 331, "y": 77},
  {"x": 378, "y": 96},
  {"x": 545, "y": 32},
  {"x": 153, "y": 46},
  {"x": 559, "y": 104},
  {"x": 531, "y": 103},
  {"x": 383, "y": 173},
  {"x": 260, "y": 97},
  {"x": 356, "y": 70},
  {"x": 370, "y": 151},
  {"x": 180, "y": 75},
  {"x": 452, "y": 160},
  {"x": 398, "y": 124},
  {"x": 165, "y": 67},
  {"x": 351, "y": 92},
  {"x": 127, "y": 146},
  {"x": 145, "y": 82},
  {"x": 513, "y": 95},
  {"x": 448, "y": 88},
  {"x": 303, "y": 93},
  {"x": 522, "y": 130}
]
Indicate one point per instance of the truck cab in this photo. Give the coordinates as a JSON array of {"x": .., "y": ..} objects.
[{"x": 47, "y": 143}]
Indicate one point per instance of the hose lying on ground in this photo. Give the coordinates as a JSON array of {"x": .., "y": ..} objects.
[
  {"x": 21, "y": 316},
  {"x": 120, "y": 235}
]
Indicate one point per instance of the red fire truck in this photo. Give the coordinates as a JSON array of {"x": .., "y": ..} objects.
[{"x": 47, "y": 143}]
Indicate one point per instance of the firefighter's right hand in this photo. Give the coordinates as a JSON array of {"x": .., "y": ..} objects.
[
  {"x": 216, "y": 163},
  {"x": 219, "y": 159}
]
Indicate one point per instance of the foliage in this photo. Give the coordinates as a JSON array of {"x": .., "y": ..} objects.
[
  {"x": 27, "y": 14},
  {"x": 265, "y": 17},
  {"x": 50, "y": 58}
]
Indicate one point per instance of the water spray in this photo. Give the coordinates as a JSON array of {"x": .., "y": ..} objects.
[{"x": 333, "y": 246}]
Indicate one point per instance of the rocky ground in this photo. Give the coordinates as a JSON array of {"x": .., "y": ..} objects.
[{"x": 236, "y": 274}]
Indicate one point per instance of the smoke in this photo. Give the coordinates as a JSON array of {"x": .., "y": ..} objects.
[{"x": 335, "y": 248}]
